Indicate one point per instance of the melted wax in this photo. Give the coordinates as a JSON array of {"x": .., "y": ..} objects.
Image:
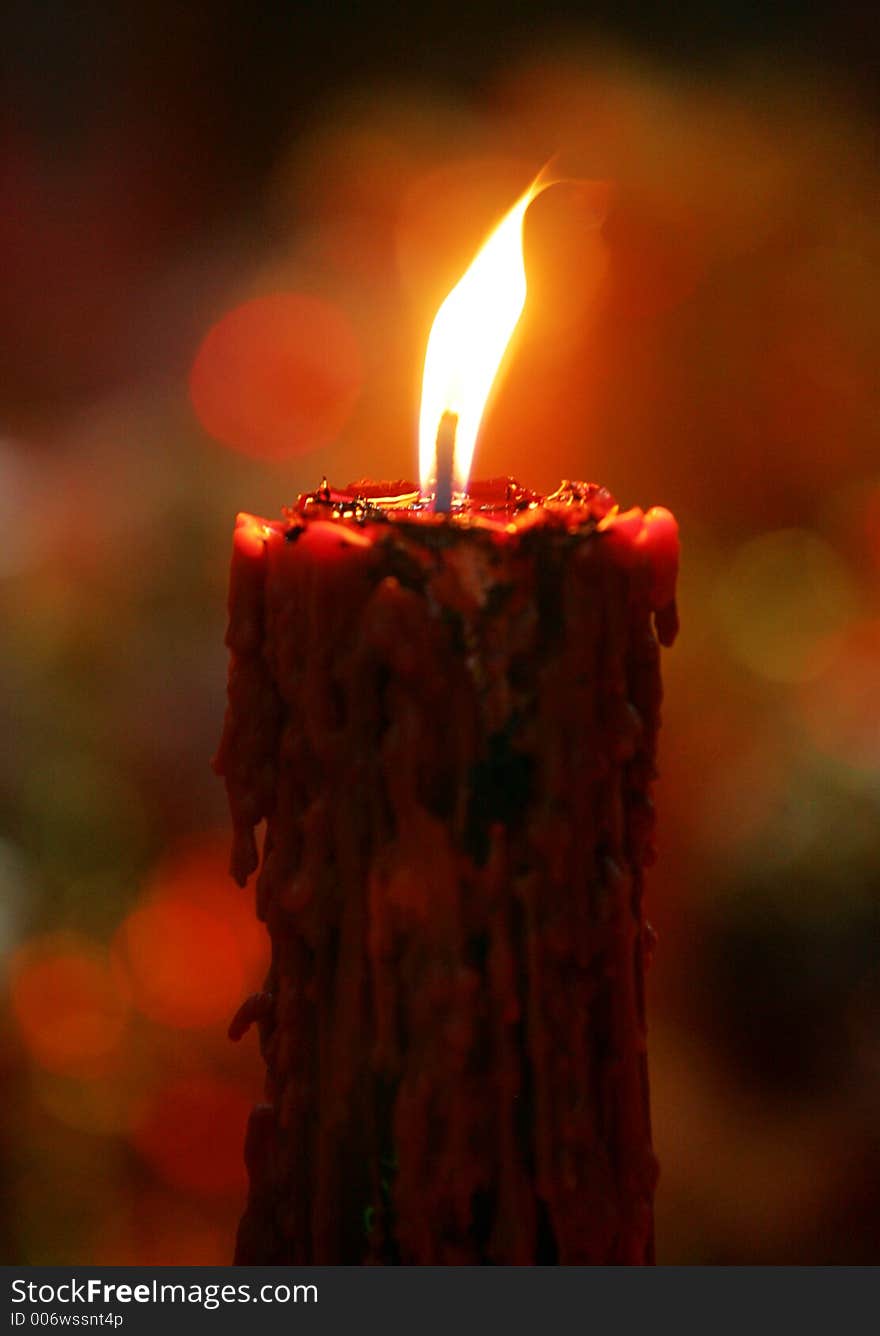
[{"x": 449, "y": 727}]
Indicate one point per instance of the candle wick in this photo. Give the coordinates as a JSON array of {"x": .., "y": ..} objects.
[{"x": 445, "y": 454}]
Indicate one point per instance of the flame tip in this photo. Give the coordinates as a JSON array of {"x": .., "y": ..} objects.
[{"x": 469, "y": 337}]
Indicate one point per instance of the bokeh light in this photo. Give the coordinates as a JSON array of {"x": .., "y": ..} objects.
[
  {"x": 191, "y": 949},
  {"x": 191, "y": 1133},
  {"x": 102, "y": 1105},
  {"x": 780, "y": 602},
  {"x": 69, "y": 1004},
  {"x": 278, "y": 375},
  {"x": 871, "y": 507},
  {"x": 183, "y": 963},
  {"x": 166, "y": 1225},
  {"x": 840, "y": 705},
  {"x": 17, "y": 486}
]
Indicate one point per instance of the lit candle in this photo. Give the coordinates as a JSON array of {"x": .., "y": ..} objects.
[{"x": 444, "y": 703}]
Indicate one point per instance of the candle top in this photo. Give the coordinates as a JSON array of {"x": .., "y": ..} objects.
[
  {"x": 496, "y": 503},
  {"x": 497, "y": 511}
]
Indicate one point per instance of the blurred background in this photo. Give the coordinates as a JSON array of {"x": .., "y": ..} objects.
[{"x": 225, "y": 231}]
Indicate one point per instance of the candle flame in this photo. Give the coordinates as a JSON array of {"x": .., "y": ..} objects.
[{"x": 468, "y": 339}]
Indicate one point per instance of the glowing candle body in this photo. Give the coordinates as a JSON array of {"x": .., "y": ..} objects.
[{"x": 449, "y": 726}]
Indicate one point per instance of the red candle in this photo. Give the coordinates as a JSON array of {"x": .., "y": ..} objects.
[{"x": 448, "y": 722}]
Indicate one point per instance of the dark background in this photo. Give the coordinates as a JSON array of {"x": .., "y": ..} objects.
[{"x": 225, "y": 231}]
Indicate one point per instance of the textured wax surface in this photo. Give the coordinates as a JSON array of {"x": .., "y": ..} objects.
[{"x": 450, "y": 729}]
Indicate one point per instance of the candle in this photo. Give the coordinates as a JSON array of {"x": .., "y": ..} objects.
[{"x": 444, "y": 704}]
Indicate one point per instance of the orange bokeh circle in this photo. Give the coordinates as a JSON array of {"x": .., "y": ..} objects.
[
  {"x": 192, "y": 948},
  {"x": 183, "y": 963},
  {"x": 69, "y": 1003},
  {"x": 278, "y": 375},
  {"x": 192, "y": 1134}
]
